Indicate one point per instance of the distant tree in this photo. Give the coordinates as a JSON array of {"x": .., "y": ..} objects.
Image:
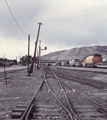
[
  {"x": 15, "y": 62},
  {"x": 24, "y": 59}
]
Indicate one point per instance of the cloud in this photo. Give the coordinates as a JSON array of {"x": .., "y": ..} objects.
[
  {"x": 25, "y": 12},
  {"x": 66, "y": 24},
  {"x": 87, "y": 24}
]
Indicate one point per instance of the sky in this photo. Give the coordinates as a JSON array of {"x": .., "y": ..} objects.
[{"x": 66, "y": 24}]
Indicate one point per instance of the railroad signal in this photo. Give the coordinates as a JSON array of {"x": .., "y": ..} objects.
[{"x": 45, "y": 48}]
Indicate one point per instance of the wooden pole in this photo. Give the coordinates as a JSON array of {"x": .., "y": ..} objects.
[
  {"x": 31, "y": 69},
  {"x": 28, "y": 53},
  {"x": 5, "y": 75}
]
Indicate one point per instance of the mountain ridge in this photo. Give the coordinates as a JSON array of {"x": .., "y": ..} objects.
[{"x": 77, "y": 52}]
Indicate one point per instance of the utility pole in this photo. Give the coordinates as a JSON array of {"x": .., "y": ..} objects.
[
  {"x": 5, "y": 75},
  {"x": 37, "y": 62},
  {"x": 31, "y": 69},
  {"x": 39, "y": 54},
  {"x": 16, "y": 58},
  {"x": 5, "y": 71},
  {"x": 28, "y": 54}
]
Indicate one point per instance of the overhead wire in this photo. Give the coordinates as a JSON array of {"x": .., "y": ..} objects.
[{"x": 14, "y": 18}]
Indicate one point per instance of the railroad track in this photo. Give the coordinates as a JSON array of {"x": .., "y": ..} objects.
[
  {"x": 86, "y": 107},
  {"x": 49, "y": 103},
  {"x": 81, "y": 79}
]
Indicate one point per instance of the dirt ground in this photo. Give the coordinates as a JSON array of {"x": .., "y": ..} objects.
[{"x": 19, "y": 90}]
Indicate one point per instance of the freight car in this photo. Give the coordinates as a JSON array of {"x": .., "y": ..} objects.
[
  {"x": 75, "y": 63},
  {"x": 58, "y": 64},
  {"x": 92, "y": 60}
]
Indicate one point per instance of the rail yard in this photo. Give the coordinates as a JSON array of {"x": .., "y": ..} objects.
[
  {"x": 60, "y": 75},
  {"x": 54, "y": 93}
]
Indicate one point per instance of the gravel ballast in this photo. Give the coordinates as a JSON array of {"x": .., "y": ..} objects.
[{"x": 19, "y": 90}]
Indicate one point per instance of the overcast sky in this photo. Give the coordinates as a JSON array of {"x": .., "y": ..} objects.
[{"x": 66, "y": 24}]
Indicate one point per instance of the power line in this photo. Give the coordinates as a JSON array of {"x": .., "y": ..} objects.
[{"x": 14, "y": 18}]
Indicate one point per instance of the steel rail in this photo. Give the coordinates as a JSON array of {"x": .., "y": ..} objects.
[
  {"x": 71, "y": 117},
  {"x": 84, "y": 70},
  {"x": 72, "y": 89},
  {"x": 26, "y": 112},
  {"x": 29, "y": 111},
  {"x": 86, "y": 81},
  {"x": 76, "y": 117}
]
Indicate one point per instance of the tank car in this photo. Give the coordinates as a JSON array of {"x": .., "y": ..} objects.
[{"x": 92, "y": 60}]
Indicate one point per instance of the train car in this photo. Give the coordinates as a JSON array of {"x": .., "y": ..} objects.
[
  {"x": 1, "y": 64},
  {"x": 82, "y": 63},
  {"x": 58, "y": 64},
  {"x": 75, "y": 63},
  {"x": 92, "y": 60},
  {"x": 63, "y": 63},
  {"x": 103, "y": 63}
]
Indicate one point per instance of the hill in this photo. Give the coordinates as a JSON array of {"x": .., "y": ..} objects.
[{"x": 80, "y": 53}]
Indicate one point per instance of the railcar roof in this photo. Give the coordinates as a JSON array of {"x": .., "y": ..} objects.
[{"x": 93, "y": 55}]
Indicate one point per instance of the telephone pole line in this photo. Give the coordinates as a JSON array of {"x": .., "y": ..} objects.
[
  {"x": 31, "y": 69},
  {"x": 28, "y": 53},
  {"x": 39, "y": 54}
]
